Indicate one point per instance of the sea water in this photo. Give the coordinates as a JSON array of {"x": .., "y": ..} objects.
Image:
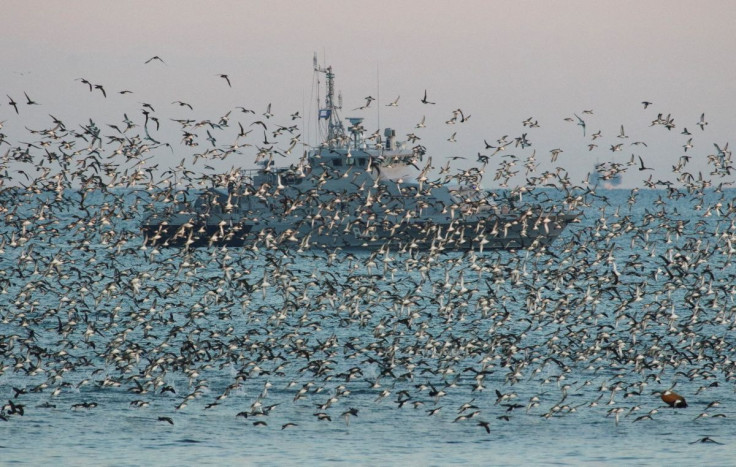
[{"x": 636, "y": 298}]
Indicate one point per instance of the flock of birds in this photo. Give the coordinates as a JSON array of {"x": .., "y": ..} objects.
[{"x": 626, "y": 306}]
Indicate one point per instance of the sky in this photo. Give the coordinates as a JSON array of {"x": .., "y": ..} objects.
[{"x": 500, "y": 62}]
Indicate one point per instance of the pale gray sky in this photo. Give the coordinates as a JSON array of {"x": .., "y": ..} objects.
[{"x": 501, "y": 62}]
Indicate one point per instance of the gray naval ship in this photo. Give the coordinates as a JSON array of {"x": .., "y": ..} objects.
[{"x": 352, "y": 191}]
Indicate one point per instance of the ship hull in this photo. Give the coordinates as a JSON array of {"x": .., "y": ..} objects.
[{"x": 490, "y": 233}]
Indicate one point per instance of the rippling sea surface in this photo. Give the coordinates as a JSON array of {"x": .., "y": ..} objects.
[{"x": 121, "y": 354}]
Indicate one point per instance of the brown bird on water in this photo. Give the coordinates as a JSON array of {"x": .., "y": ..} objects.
[{"x": 673, "y": 399}]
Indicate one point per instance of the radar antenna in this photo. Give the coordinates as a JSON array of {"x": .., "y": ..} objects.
[{"x": 335, "y": 130}]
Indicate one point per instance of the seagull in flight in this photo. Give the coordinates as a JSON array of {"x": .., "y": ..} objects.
[
  {"x": 702, "y": 122},
  {"x": 581, "y": 123},
  {"x": 85, "y": 81},
  {"x": 102, "y": 90},
  {"x": 424, "y": 99},
  {"x": 28, "y": 99},
  {"x": 368, "y": 101},
  {"x": 155, "y": 57},
  {"x": 226, "y": 78},
  {"x": 268, "y": 113},
  {"x": 183, "y": 104},
  {"x": 395, "y": 103},
  {"x": 641, "y": 165},
  {"x": 13, "y": 103}
]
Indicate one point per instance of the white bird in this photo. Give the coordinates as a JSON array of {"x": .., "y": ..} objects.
[
  {"x": 622, "y": 134},
  {"x": 688, "y": 145},
  {"x": 702, "y": 122}
]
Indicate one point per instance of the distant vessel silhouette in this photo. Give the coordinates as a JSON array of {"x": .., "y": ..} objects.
[
  {"x": 606, "y": 174},
  {"x": 351, "y": 191}
]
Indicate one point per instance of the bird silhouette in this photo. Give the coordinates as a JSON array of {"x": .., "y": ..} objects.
[
  {"x": 29, "y": 101},
  {"x": 155, "y": 57},
  {"x": 14, "y": 104},
  {"x": 424, "y": 99},
  {"x": 641, "y": 165}
]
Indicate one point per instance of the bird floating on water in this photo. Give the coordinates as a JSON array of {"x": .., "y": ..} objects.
[{"x": 673, "y": 399}]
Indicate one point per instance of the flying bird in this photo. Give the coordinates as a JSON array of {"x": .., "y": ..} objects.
[
  {"x": 268, "y": 113},
  {"x": 368, "y": 101},
  {"x": 28, "y": 100},
  {"x": 424, "y": 99},
  {"x": 688, "y": 145},
  {"x": 99, "y": 86},
  {"x": 641, "y": 165},
  {"x": 706, "y": 440},
  {"x": 555, "y": 153},
  {"x": 622, "y": 134},
  {"x": 85, "y": 82},
  {"x": 581, "y": 123},
  {"x": 702, "y": 122},
  {"x": 226, "y": 78},
  {"x": 155, "y": 57},
  {"x": 395, "y": 103},
  {"x": 183, "y": 104},
  {"x": 13, "y": 103}
]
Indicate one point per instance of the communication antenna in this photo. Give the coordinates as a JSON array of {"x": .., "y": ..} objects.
[{"x": 330, "y": 111}]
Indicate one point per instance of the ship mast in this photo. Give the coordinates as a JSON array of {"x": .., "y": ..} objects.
[{"x": 335, "y": 130}]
